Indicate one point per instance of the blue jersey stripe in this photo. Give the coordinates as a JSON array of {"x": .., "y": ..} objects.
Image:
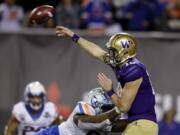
[{"x": 81, "y": 108}]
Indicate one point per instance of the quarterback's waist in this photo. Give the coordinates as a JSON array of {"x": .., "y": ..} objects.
[
  {"x": 144, "y": 123},
  {"x": 151, "y": 117}
]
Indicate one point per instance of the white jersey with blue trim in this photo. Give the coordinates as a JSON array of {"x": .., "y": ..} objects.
[
  {"x": 69, "y": 127},
  {"x": 27, "y": 124}
]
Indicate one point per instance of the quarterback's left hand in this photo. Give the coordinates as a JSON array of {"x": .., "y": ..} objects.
[{"x": 104, "y": 81}]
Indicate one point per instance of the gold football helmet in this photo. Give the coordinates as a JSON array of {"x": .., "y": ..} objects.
[{"x": 121, "y": 46}]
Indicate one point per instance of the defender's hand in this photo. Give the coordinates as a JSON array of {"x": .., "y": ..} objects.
[
  {"x": 63, "y": 31},
  {"x": 105, "y": 82}
]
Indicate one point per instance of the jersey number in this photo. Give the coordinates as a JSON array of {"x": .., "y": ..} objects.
[{"x": 31, "y": 129}]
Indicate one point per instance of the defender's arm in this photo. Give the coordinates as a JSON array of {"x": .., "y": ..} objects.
[
  {"x": 11, "y": 126},
  {"x": 96, "y": 122},
  {"x": 97, "y": 118},
  {"x": 90, "y": 47}
]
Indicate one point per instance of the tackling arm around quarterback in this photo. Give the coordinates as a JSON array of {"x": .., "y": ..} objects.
[{"x": 105, "y": 121}]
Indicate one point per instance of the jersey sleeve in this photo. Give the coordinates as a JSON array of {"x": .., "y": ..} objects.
[
  {"x": 85, "y": 108},
  {"x": 133, "y": 72}
]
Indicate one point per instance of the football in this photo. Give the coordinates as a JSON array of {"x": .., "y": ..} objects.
[{"x": 41, "y": 14}]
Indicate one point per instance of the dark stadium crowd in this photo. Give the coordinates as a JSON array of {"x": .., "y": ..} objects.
[{"x": 110, "y": 15}]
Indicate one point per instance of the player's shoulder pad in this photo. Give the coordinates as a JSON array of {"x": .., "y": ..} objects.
[
  {"x": 18, "y": 109},
  {"x": 133, "y": 71},
  {"x": 85, "y": 108},
  {"x": 19, "y": 106},
  {"x": 134, "y": 63},
  {"x": 50, "y": 107}
]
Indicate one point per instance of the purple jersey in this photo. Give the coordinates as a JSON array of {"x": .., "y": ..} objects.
[{"x": 144, "y": 102}]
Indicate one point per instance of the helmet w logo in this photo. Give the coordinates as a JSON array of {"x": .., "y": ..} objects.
[{"x": 125, "y": 44}]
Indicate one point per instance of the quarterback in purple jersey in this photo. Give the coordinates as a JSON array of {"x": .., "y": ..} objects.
[{"x": 136, "y": 94}]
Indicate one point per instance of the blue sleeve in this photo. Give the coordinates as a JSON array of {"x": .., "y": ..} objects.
[{"x": 133, "y": 72}]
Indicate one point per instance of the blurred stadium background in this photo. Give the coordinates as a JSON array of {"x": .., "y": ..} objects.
[{"x": 29, "y": 53}]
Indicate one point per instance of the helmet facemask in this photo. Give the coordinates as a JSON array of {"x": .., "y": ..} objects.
[
  {"x": 112, "y": 57},
  {"x": 36, "y": 102}
]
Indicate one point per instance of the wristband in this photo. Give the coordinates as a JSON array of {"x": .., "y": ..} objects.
[
  {"x": 75, "y": 38},
  {"x": 111, "y": 92}
]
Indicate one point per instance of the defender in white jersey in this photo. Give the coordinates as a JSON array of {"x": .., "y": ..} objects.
[
  {"x": 96, "y": 113},
  {"x": 34, "y": 114}
]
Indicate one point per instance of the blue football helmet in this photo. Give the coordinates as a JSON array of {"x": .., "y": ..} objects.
[{"x": 98, "y": 99}]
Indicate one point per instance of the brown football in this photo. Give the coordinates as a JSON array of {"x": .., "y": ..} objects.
[{"x": 41, "y": 14}]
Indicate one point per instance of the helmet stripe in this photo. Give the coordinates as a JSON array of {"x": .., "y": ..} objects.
[
  {"x": 80, "y": 108},
  {"x": 84, "y": 108},
  {"x": 87, "y": 109}
]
